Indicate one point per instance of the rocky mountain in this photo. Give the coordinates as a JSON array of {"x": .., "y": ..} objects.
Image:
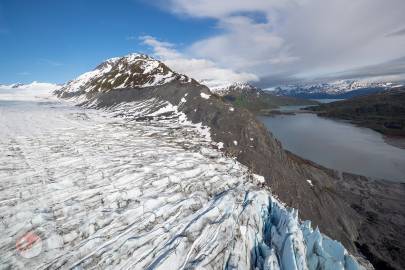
[
  {"x": 237, "y": 87},
  {"x": 333, "y": 90},
  {"x": 383, "y": 112},
  {"x": 352, "y": 209},
  {"x": 131, "y": 71},
  {"x": 256, "y": 100}
]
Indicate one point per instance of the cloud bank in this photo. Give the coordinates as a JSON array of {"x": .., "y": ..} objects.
[
  {"x": 284, "y": 39},
  {"x": 205, "y": 71}
]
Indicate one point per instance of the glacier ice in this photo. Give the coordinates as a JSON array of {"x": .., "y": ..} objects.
[{"x": 104, "y": 191}]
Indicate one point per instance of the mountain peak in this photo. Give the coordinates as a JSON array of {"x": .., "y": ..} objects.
[
  {"x": 235, "y": 87},
  {"x": 130, "y": 71}
]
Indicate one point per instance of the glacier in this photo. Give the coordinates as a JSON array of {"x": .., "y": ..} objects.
[{"x": 136, "y": 188}]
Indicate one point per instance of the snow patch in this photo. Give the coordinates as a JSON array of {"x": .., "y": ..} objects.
[
  {"x": 205, "y": 96},
  {"x": 260, "y": 179},
  {"x": 220, "y": 145}
]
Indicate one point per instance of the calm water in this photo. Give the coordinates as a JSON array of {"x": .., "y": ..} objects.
[
  {"x": 338, "y": 145},
  {"x": 327, "y": 100}
]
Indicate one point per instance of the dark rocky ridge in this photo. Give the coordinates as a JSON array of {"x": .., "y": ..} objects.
[
  {"x": 383, "y": 112},
  {"x": 367, "y": 216}
]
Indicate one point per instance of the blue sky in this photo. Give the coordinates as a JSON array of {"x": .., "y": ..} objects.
[
  {"x": 265, "y": 42},
  {"x": 54, "y": 41}
]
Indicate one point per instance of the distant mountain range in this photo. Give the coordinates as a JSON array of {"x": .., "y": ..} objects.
[
  {"x": 341, "y": 89},
  {"x": 19, "y": 91},
  {"x": 255, "y": 99},
  {"x": 40, "y": 86},
  {"x": 116, "y": 73}
]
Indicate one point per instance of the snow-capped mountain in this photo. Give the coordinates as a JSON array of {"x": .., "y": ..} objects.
[
  {"x": 130, "y": 71},
  {"x": 255, "y": 99},
  {"x": 38, "y": 86},
  {"x": 334, "y": 89},
  {"x": 236, "y": 87}
]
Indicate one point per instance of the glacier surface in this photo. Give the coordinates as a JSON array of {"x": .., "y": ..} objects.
[{"x": 100, "y": 190}]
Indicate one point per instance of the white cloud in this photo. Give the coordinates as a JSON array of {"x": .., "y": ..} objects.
[
  {"x": 245, "y": 46},
  {"x": 203, "y": 70},
  {"x": 332, "y": 36},
  {"x": 302, "y": 38},
  {"x": 224, "y": 8}
]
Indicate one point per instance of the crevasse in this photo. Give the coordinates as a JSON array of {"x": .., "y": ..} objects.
[{"x": 102, "y": 190}]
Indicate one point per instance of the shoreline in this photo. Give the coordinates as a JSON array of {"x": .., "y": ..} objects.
[
  {"x": 388, "y": 172},
  {"x": 396, "y": 141}
]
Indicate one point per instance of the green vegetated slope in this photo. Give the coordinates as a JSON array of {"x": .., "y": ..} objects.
[{"x": 259, "y": 101}]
